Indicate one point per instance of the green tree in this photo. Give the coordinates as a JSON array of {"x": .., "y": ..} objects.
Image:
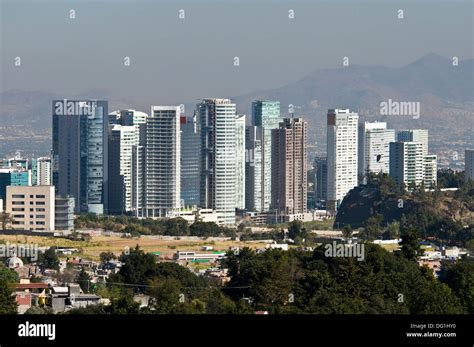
[
  {"x": 5, "y": 219},
  {"x": 49, "y": 259},
  {"x": 107, "y": 256},
  {"x": 84, "y": 281},
  {"x": 8, "y": 279},
  {"x": 410, "y": 243}
]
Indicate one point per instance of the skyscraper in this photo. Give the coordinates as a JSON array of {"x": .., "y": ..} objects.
[
  {"x": 240, "y": 162},
  {"x": 430, "y": 171},
  {"x": 80, "y": 151},
  {"x": 406, "y": 163},
  {"x": 163, "y": 162},
  {"x": 321, "y": 179},
  {"x": 190, "y": 156},
  {"x": 469, "y": 164},
  {"x": 342, "y": 155},
  {"x": 374, "y": 148},
  {"x": 289, "y": 166},
  {"x": 253, "y": 169},
  {"x": 217, "y": 122},
  {"x": 266, "y": 115},
  {"x": 414, "y": 135},
  {"x": 124, "y": 135}
]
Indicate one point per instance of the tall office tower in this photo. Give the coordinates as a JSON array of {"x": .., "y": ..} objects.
[
  {"x": 163, "y": 162},
  {"x": 414, "y": 135},
  {"x": 321, "y": 186},
  {"x": 430, "y": 171},
  {"x": 342, "y": 155},
  {"x": 41, "y": 171},
  {"x": 240, "y": 162},
  {"x": 217, "y": 122},
  {"x": 406, "y": 163},
  {"x": 80, "y": 163},
  {"x": 289, "y": 166},
  {"x": 127, "y": 117},
  {"x": 253, "y": 169},
  {"x": 190, "y": 153},
  {"x": 469, "y": 164},
  {"x": 374, "y": 148},
  {"x": 126, "y": 160},
  {"x": 122, "y": 138},
  {"x": 266, "y": 115}
]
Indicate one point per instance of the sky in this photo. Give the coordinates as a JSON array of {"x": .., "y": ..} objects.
[{"x": 177, "y": 60}]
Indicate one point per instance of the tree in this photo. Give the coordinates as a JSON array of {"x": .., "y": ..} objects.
[
  {"x": 177, "y": 227},
  {"x": 459, "y": 277},
  {"x": 84, "y": 281},
  {"x": 410, "y": 243},
  {"x": 347, "y": 231},
  {"x": 5, "y": 219},
  {"x": 105, "y": 257},
  {"x": 8, "y": 279},
  {"x": 296, "y": 230},
  {"x": 49, "y": 259}
]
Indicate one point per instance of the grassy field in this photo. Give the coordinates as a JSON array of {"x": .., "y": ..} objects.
[{"x": 98, "y": 244}]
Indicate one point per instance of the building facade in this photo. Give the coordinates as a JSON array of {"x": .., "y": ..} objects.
[
  {"x": 321, "y": 179},
  {"x": 240, "y": 162},
  {"x": 163, "y": 162},
  {"x": 32, "y": 207},
  {"x": 342, "y": 155},
  {"x": 190, "y": 152},
  {"x": 406, "y": 163},
  {"x": 374, "y": 148},
  {"x": 469, "y": 164},
  {"x": 414, "y": 135},
  {"x": 80, "y": 153},
  {"x": 266, "y": 115},
  {"x": 289, "y": 167},
  {"x": 253, "y": 169},
  {"x": 217, "y": 124}
]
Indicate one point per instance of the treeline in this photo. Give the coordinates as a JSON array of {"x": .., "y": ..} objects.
[
  {"x": 147, "y": 226},
  {"x": 294, "y": 282}
]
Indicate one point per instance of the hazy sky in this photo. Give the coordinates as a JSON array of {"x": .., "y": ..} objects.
[{"x": 175, "y": 60}]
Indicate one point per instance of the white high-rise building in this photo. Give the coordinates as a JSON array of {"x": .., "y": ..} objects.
[
  {"x": 407, "y": 165},
  {"x": 430, "y": 171},
  {"x": 374, "y": 148},
  {"x": 217, "y": 120},
  {"x": 266, "y": 115},
  {"x": 469, "y": 164},
  {"x": 122, "y": 138},
  {"x": 342, "y": 140},
  {"x": 125, "y": 127},
  {"x": 240, "y": 162},
  {"x": 43, "y": 171},
  {"x": 414, "y": 135},
  {"x": 163, "y": 162}
]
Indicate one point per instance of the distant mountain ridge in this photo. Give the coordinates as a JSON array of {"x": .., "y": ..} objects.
[{"x": 445, "y": 92}]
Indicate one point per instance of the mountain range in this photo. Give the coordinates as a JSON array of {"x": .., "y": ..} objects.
[{"x": 445, "y": 92}]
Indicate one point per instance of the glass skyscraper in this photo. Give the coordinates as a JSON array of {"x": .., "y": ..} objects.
[
  {"x": 80, "y": 152},
  {"x": 266, "y": 115}
]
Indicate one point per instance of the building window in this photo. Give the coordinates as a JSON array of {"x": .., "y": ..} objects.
[{"x": 18, "y": 196}]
